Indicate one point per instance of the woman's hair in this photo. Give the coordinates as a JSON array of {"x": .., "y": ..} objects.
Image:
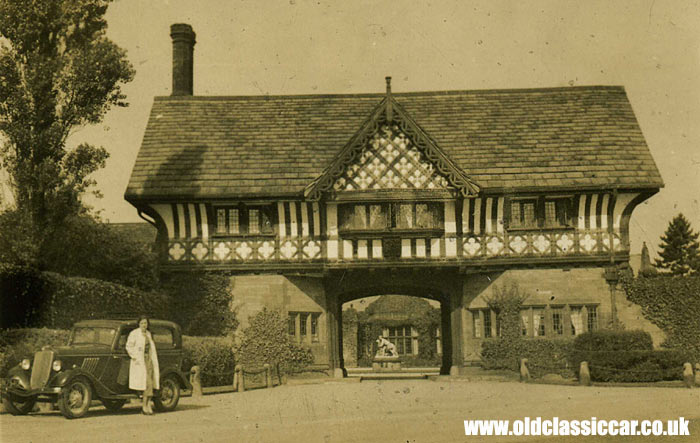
[{"x": 144, "y": 317}]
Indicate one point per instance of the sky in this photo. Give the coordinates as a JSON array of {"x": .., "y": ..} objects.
[{"x": 330, "y": 47}]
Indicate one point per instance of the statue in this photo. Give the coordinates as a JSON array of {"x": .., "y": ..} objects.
[{"x": 385, "y": 348}]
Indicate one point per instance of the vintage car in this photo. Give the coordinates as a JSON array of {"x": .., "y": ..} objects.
[{"x": 94, "y": 366}]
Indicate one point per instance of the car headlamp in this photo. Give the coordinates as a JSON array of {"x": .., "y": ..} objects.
[
  {"x": 56, "y": 365},
  {"x": 26, "y": 364}
]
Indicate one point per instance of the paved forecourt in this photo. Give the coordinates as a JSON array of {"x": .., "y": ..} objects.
[{"x": 382, "y": 411}]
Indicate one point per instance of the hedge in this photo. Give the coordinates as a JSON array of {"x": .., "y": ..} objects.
[
  {"x": 545, "y": 355},
  {"x": 612, "y": 340},
  {"x": 47, "y": 299},
  {"x": 633, "y": 366},
  {"x": 215, "y": 357}
]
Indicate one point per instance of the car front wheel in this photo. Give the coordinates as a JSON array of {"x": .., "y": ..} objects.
[
  {"x": 16, "y": 407},
  {"x": 74, "y": 400},
  {"x": 169, "y": 394}
]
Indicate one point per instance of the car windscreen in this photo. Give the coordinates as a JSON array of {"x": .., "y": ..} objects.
[{"x": 92, "y": 335}]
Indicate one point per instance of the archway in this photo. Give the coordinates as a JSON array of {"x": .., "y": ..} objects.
[{"x": 442, "y": 285}]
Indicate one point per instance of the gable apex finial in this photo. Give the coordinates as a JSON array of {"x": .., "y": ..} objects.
[{"x": 389, "y": 110}]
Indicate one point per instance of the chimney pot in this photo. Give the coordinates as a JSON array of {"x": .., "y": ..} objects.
[{"x": 183, "y": 58}]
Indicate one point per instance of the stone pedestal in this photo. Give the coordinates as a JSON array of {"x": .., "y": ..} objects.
[{"x": 386, "y": 364}]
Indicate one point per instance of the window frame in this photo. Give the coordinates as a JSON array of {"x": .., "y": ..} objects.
[
  {"x": 391, "y": 212},
  {"x": 520, "y": 202},
  {"x": 265, "y": 212}
]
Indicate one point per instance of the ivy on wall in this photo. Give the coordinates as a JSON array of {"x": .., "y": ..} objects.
[{"x": 672, "y": 304}]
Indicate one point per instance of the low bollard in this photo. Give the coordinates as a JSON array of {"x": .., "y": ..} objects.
[
  {"x": 688, "y": 377},
  {"x": 697, "y": 374},
  {"x": 196, "y": 381},
  {"x": 268, "y": 375},
  {"x": 524, "y": 372},
  {"x": 584, "y": 374}
]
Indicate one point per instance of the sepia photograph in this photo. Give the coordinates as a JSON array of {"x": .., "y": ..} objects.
[{"x": 349, "y": 221}]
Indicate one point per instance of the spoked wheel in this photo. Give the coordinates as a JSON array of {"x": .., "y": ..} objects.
[
  {"x": 169, "y": 395},
  {"x": 113, "y": 405},
  {"x": 18, "y": 407},
  {"x": 74, "y": 400}
]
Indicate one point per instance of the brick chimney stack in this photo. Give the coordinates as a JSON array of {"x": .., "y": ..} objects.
[{"x": 183, "y": 58}]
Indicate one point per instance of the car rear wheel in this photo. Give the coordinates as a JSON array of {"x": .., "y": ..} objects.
[
  {"x": 169, "y": 394},
  {"x": 74, "y": 399},
  {"x": 113, "y": 405},
  {"x": 18, "y": 408}
]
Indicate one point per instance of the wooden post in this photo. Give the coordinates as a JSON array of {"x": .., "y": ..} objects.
[
  {"x": 268, "y": 375},
  {"x": 524, "y": 372},
  {"x": 697, "y": 374},
  {"x": 196, "y": 381},
  {"x": 241, "y": 378},
  {"x": 688, "y": 378},
  {"x": 584, "y": 374},
  {"x": 236, "y": 376}
]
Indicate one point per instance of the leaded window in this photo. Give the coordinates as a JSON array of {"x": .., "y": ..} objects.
[
  {"x": 399, "y": 216},
  {"x": 558, "y": 321},
  {"x": 402, "y": 338},
  {"x": 242, "y": 220},
  {"x": 592, "y": 318},
  {"x": 556, "y": 213},
  {"x": 523, "y": 213}
]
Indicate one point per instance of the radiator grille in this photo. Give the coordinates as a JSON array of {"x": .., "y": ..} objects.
[{"x": 41, "y": 369}]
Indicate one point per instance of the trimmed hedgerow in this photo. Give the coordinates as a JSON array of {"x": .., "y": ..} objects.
[
  {"x": 47, "y": 299},
  {"x": 16, "y": 344},
  {"x": 672, "y": 304},
  {"x": 214, "y": 356},
  {"x": 632, "y": 366},
  {"x": 612, "y": 340},
  {"x": 545, "y": 355}
]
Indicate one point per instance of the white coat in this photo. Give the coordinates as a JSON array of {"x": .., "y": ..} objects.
[{"x": 135, "y": 344}]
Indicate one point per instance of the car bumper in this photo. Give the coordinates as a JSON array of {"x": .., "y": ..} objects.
[{"x": 18, "y": 392}]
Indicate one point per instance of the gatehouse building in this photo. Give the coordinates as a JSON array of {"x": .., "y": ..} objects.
[{"x": 312, "y": 201}]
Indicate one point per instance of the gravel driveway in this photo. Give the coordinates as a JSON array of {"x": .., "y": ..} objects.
[{"x": 383, "y": 411}]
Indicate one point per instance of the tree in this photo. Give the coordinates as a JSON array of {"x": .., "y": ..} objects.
[
  {"x": 58, "y": 72},
  {"x": 507, "y": 302},
  {"x": 679, "y": 248}
]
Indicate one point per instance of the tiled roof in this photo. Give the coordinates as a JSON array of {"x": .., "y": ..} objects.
[{"x": 258, "y": 146}]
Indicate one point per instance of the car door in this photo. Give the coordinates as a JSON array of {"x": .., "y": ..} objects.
[
  {"x": 168, "y": 355},
  {"x": 116, "y": 375}
]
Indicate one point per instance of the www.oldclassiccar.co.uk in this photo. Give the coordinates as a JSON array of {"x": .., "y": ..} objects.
[{"x": 561, "y": 427}]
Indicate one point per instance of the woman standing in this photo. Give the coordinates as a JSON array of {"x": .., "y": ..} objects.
[{"x": 143, "y": 370}]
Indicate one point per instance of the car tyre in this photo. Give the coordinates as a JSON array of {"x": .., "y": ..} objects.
[
  {"x": 18, "y": 408},
  {"x": 169, "y": 394},
  {"x": 74, "y": 399},
  {"x": 113, "y": 405}
]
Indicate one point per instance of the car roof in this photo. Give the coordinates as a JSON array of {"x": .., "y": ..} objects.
[{"x": 114, "y": 323}]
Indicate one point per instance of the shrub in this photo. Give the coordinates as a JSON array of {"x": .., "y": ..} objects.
[
  {"x": 614, "y": 340},
  {"x": 507, "y": 302},
  {"x": 266, "y": 340},
  {"x": 545, "y": 355},
  {"x": 632, "y": 366},
  {"x": 215, "y": 357},
  {"x": 672, "y": 304},
  {"x": 16, "y": 344}
]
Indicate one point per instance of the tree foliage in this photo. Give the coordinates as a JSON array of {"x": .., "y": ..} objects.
[
  {"x": 58, "y": 72},
  {"x": 201, "y": 302},
  {"x": 266, "y": 340},
  {"x": 506, "y": 302},
  {"x": 679, "y": 248}
]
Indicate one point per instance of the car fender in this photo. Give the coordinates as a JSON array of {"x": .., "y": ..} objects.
[
  {"x": 20, "y": 374},
  {"x": 61, "y": 379},
  {"x": 184, "y": 383}
]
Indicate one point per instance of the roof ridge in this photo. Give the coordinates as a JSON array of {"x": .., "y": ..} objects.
[{"x": 557, "y": 89}]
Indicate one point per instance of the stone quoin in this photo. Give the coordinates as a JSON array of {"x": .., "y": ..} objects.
[{"x": 311, "y": 201}]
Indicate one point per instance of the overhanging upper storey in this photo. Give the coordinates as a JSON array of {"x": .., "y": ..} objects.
[{"x": 391, "y": 157}]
